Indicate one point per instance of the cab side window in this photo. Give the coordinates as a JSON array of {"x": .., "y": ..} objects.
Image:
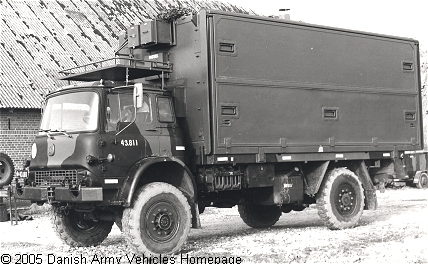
[
  {"x": 144, "y": 114},
  {"x": 120, "y": 108},
  {"x": 165, "y": 112}
]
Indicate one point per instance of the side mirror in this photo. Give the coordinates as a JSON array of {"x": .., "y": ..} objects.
[{"x": 138, "y": 95}]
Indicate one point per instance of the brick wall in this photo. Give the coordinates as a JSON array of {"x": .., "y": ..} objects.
[{"x": 18, "y": 128}]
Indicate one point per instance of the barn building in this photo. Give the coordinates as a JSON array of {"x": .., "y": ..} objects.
[{"x": 39, "y": 38}]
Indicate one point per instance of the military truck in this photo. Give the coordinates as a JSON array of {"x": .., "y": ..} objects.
[
  {"x": 219, "y": 110},
  {"x": 415, "y": 168}
]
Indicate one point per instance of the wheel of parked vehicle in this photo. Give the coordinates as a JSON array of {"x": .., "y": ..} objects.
[
  {"x": 259, "y": 216},
  {"x": 159, "y": 219},
  {"x": 340, "y": 200},
  {"x": 7, "y": 170},
  {"x": 423, "y": 181},
  {"x": 77, "y": 231}
]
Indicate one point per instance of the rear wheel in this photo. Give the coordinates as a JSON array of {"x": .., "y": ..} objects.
[
  {"x": 340, "y": 201},
  {"x": 423, "y": 181},
  {"x": 6, "y": 169},
  {"x": 158, "y": 220},
  {"x": 77, "y": 231},
  {"x": 259, "y": 216}
]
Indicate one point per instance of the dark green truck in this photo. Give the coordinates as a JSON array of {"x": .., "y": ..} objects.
[{"x": 222, "y": 109}]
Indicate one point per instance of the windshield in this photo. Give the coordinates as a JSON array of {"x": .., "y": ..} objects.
[{"x": 71, "y": 112}]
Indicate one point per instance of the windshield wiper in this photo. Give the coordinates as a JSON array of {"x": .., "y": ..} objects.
[
  {"x": 50, "y": 132},
  {"x": 62, "y": 132}
]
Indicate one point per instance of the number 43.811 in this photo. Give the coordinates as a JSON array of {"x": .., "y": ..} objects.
[{"x": 129, "y": 142}]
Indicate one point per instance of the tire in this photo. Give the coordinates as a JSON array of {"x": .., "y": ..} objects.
[
  {"x": 7, "y": 170},
  {"x": 74, "y": 230},
  {"x": 340, "y": 201},
  {"x": 158, "y": 221},
  {"x": 259, "y": 216},
  {"x": 423, "y": 181}
]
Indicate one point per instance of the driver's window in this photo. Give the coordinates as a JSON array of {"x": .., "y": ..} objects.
[
  {"x": 144, "y": 114},
  {"x": 165, "y": 110},
  {"x": 120, "y": 108}
]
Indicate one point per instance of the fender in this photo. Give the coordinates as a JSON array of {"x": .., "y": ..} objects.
[
  {"x": 135, "y": 174},
  {"x": 162, "y": 169},
  {"x": 370, "y": 198}
]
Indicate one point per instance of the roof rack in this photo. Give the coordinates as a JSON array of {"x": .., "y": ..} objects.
[{"x": 117, "y": 69}]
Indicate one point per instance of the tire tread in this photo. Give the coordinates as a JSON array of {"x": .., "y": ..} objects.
[
  {"x": 130, "y": 216},
  {"x": 323, "y": 201},
  {"x": 75, "y": 240}
]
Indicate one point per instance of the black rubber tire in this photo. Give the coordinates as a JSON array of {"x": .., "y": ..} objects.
[
  {"x": 7, "y": 170},
  {"x": 76, "y": 231},
  {"x": 423, "y": 181},
  {"x": 259, "y": 216},
  {"x": 340, "y": 200},
  {"x": 158, "y": 221}
]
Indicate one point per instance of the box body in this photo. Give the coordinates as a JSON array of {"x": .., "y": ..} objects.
[{"x": 257, "y": 86}]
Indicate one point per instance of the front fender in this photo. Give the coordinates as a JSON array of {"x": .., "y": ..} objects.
[{"x": 146, "y": 170}]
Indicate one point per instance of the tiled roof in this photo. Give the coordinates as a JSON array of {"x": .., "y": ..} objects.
[{"x": 40, "y": 38}]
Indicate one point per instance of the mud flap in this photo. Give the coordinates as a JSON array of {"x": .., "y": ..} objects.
[
  {"x": 315, "y": 175},
  {"x": 196, "y": 221},
  {"x": 370, "y": 198}
]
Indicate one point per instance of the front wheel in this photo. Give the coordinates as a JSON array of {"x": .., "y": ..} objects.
[
  {"x": 259, "y": 216},
  {"x": 159, "y": 219},
  {"x": 340, "y": 201},
  {"x": 78, "y": 231}
]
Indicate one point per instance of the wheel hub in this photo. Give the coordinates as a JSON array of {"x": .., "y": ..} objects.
[
  {"x": 3, "y": 169},
  {"x": 82, "y": 223},
  {"x": 162, "y": 221},
  {"x": 345, "y": 200}
]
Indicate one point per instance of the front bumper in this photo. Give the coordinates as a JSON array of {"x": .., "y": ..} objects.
[{"x": 59, "y": 194}]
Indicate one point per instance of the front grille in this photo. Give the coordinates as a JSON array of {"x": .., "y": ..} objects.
[{"x": 56, "y": 177}]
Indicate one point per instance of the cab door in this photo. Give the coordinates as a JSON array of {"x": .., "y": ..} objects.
[{"x": 125, "y": 134}]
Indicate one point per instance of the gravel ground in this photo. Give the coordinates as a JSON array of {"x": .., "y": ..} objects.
[{"x": 395, "y": 233}]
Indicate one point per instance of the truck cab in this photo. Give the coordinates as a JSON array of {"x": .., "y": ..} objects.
[
  {"x": 94, "y": 138},
  {"x": 91, "y": 134}
]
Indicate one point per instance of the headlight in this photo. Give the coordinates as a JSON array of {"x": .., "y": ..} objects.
[{"x": 33, "y": 150}]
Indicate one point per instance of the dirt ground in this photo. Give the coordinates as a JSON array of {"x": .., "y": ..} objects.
[{"x": 395, "y": 233}]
